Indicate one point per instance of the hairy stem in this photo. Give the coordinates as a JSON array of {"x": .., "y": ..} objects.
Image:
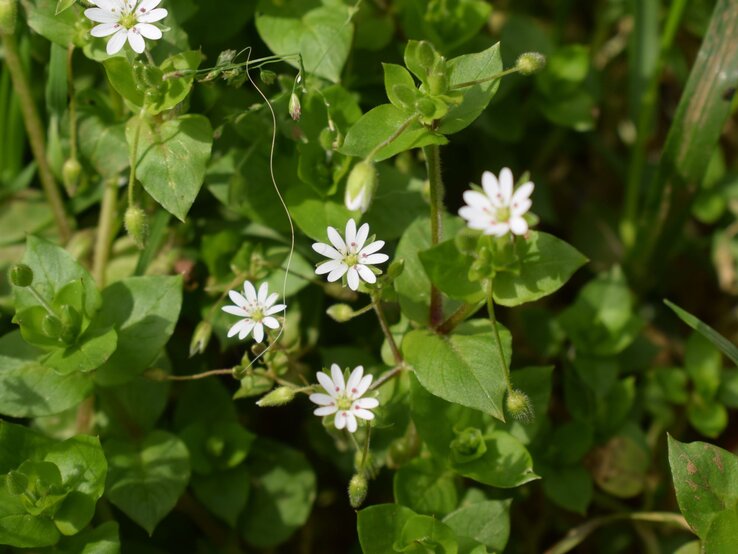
[
  {"x": 458, "y": 317},
  {"x": 498, "y": 340},
  {"x": 494, "y": 77},
  {"x": 388, "y": 376},
  {"x": 36, "y": 135},
  {"x": 106, "y": 222},
  {"x": 433, "y": 165}
]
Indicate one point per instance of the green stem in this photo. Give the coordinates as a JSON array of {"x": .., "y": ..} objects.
[
  {"x": 134, "y": 158},
  {"x": 41, "y": 300},
  {"x": 203, "y": 375},
  {"x": 433, "y": 166},
  {"x": 644, "y": 127},
  {"x": 365, "y": 452},
  {"x": 72, "y": 104},
  {"x": 36, "y": 135},
  {"x": 396, "y": 354},
  {"x": 389, "y": 140},
  {"x": 388, "y": 376},
  {"x": 494, "y": 77},
  {"x": 458, "y": 317},
  {"x": 498, "y": 340},
  {"x": 108, "y": 212}
]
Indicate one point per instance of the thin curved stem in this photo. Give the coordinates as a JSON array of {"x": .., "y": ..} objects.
[
  {"x": 396, "y": 354},
  {"x": 496, "y": 331}
]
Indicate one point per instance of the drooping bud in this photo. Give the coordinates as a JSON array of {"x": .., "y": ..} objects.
[
  {"x": 278, "y": 397},
  {"x": 136, "y": 225},
  {"x": 200, "y": 338},
  {"x": 530, "y": 63},
  {"x": 357, "y": 489},
  {"x": 362, "y": 182},
  {"x": 519, "y": 406},
  {"x": 8, "y": 16},
  {"x": 70, "y": 175},
  {"x": 294, "y": 107},
  {"x": 340, "y": 312},
  {"x": 51, "y": 326},
  {"x": 21, "y": 275},
  {"x": 267, "y": 77}
]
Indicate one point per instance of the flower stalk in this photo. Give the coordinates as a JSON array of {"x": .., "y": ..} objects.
[{"x": 433, "y": 165}]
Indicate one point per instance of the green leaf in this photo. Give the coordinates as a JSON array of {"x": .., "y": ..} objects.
[
  {"x": 619, "y": 466},
  {"x": 19, "y": 528},
  {"x": 120, "y": 75},
  {"x": 100, "y": 540},
  {"x": 725, "y": 346},
  {"x": 313, "y": 214},
  {"x": 380, "y": 527},
  {"x": 145, "y": 480},
  {"x": 427, "y": 533},
  {"x": 60, "y": 28},
  {"x": 721, "y": 537},
  {"x": 378, "y": 125},
  {"x": 426, "y": 488},
  {"x": 465, "y": 69},
  {"x": 176, "y": 89},
  {"x": 282, "y": 496},
  {"x": 704, "y": 365},
  {"x": 92, "y": 350},
  {"x": 19, "y": 444},
  {"x": 28, "y": 389},
  {"x": 62, "y": 5},
  {"x": 322, "y": 35},
  {"x": 506, "y": 463},
  {"x": 708, "y": 417},
  {"x": 144, "y": 310},
  {"x": 103, "y": 144},
  {"x": 172, "y": 159},
  {"x": 704, "y": 478},
  {"x": 396, "y": 80},
  {"x": 569, "y": 487},
  {"x": 448, "y": 270},
  {"x": 546, "y": 264},
  {"x": 224, "y": 493},
  {"x": 447, "y": 25},
  {"x": 486, "y": 522},
  {"x": 465, "y": 368}
]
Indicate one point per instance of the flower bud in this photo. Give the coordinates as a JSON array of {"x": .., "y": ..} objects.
[
  {"x": 426, "y": 107},
  {"x": 21, "y": 275},
  {"x": 239, "y": 372},
  {"x": 519, "y": 406},
  {"x": 278, "y": 397},
  {"x": 357, "y": 489},
  {"x": 340, "y": 312},
  {"x": 51, "y": 326},
  {"x": 438, "y": 82},
  {"x": 530, "y": 63},
  {"x": 200, "y": 338},
  {"x": 136, "y": 225},
  {"x": 71, "y": 324},
  {"x": 258, "y": 348},
  {"x": 8, "y": 15},
  {"x": 468, "y": 445},
  {"x": 362, "y": 182},
  {"x": 70, "y": 175},
  {"x": 294, "y": 107},
  {"x": 267, "y": 77}
]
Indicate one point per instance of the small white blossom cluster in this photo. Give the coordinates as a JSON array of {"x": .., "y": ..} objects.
[{"x": 129, "y": 20}]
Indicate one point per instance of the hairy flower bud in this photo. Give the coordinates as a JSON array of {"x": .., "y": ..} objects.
[
  {"x": 530, "y": 63},
  {"x": 8, "y": 16},
  {"x": 267, "y": 77},
  {"x": 362, "y": 182},
  {"x": 340, "y": 312},
  {"x": 278, "y": 397},
  {"x": 519, "y": 405},
  {"x": 201, "y": 337},
  {"x": 136, "y": 225},
  {"x": 357, "y": 489},
  {"x": 21, "y": 275},
  {"x": 70, "y": 175},
  {"x": 294, "y": 107}
]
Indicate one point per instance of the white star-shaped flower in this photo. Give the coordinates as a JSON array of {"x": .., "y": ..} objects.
[
  {"x": 344, "y": 398},
  {"x": 498, "y": 209},
  {"x": 255, "y": 311},
  {"x": 350, "y": 256},
  {"x": 126, "y": 20}
]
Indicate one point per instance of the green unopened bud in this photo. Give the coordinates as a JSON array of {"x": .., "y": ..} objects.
[
  {"x": 340, "y": 312},
  {"x": 357, "y": 489},
  {"x": 294, "y": 107},
  {"x": 70, "y": 175},
  {"x": 215, "y": 446},
  {"x": 21, "y": 275},
  {"x": 468, "y": 445},
  {"x": 426, "y": 107},
  {"x": 425, "y": 54},
  {"x": 8, "y": 16},
  {"x": 71, "y": 321},
  {"x": 51, "y": 326},
  {"x": 530, "y": 63},
  {"x": 16, "y": 482},
  {"x": 362, "y": 182},
  {"x": 258, "y": 348},
  {"x": 200, "y": 338},
  {"x": 226, "y": 57},
  {"x": 437, "y": 82},
  {"x": 239, "y": 372},
  {"x": 267, "y": 77},
  {"x": 278, "y": 397},
  {"x": 519, "y": 406},
  {"x": 136, "y": 225}
]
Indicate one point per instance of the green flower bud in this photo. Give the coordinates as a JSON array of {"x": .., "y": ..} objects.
[
  {"x": 201, "y": 337},
  {"x": 70, "y": 175},
  {"x": 136, "y": 225},
  {"x": 530, "y": 63},
  {"x": 294, "y": 107},
  {"x": 267, "y": 77},
  {"x": 16, "y": 483},
  {"x": 8, "y": 16},
  {"x": 258, "y": 348},
  {"x": 226, "y": 57},
  {"x": 51, "y": 326},
  {"x": 278, "y": 397},
  {"x": 357, "y": 489},
  {"x": 437, "y": 82},
  {"x": 239, "y": 372},
  {"x": 340, "y": 312},
  {"x": 426, "y": 107},
  {"x": 21, "y": 275},
  {"x": 425, "y": 54},
  {"x": 71, "y": 321},
  {"x": 519, "y": 406},
  {"x": 468, "y": 445},
  {"x": 362, "y": 182}
]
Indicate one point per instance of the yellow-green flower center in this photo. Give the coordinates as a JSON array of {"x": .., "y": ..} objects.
[
  {"x": 343, "y": 403},
  {"x": 128, "y": 20},
  {"x": 257, "y": 315},
  {"x": 503, "y": 214},
  {"x": 351, "y": 260}
]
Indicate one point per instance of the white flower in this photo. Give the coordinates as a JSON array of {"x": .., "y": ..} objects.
[
  {"x": 256, "y": 311},
  {"x": 499, "y": 209},
  {"x": 344, "y": 398},
  {"x": 126, "y": 19},
  {"x": 350, "y": 257}
]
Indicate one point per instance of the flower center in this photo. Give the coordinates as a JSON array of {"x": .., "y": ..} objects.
[
  {"x": 343, "y": 403},
  {"x": 503, "y": 214},
  {"x": 257, "y": 315},
  {"x": 351, "y": 260},
  {"x": 128, "y": 20}
]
